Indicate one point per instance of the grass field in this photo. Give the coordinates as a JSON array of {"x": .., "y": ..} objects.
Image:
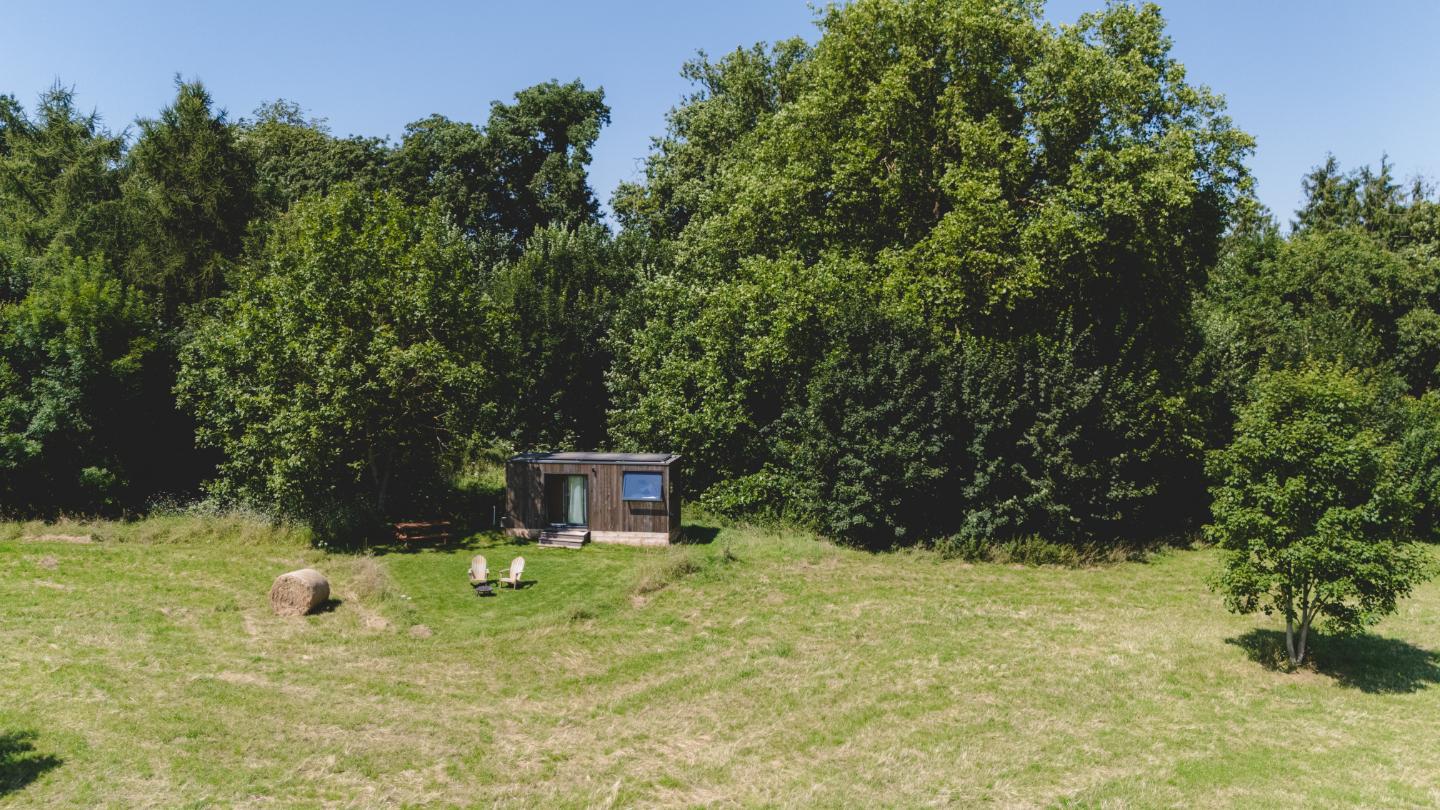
[{"x": 754, "y": 668}]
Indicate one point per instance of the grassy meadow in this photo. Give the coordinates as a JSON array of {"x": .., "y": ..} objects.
[{"x": 142, "y": 667}]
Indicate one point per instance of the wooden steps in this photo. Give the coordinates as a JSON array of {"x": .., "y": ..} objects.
[{"x": 564, "y": 537}]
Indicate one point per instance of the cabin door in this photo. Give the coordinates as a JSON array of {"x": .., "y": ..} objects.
[{"x": 567, "y": 497}]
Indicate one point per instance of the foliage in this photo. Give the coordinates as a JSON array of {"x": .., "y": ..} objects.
[
  {"x": 856, "y": 228},
  {"x": 733, "y": 95},
  {"x": 523, "y": 170},
  {"x": 297, "y": 157},
  {"x": 557, "y": 301},
  {"x": 58, "y": 187},
  {"x": 1357, "y": 283},
  {"x": 74, "y": 355},
  {"x": 345, "y": 360},
  {"x": 1420, "y": 460},
  {"x": 871, "y": 450},
  {"x": 80, "y": 355},
  {"x": 190, "y": 193},
  {"x": 1335, "y": 294},
  {"x": 142, "y": 236},
  {"x": 1310, "y": 508}
]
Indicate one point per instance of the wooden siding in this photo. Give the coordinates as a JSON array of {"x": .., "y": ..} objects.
[{"x": 525, "y": 501}]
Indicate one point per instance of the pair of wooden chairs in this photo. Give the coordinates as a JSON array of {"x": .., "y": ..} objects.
[{"x": 480, "y": 575}]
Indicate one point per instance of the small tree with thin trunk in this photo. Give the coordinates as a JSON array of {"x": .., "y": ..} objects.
[{"x": 1308, "y": 509}]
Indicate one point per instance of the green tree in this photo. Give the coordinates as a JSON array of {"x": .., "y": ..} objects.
[
  {"x": 539, "y": 150},
  {"x": 962, "y": 169},
  {"x": 89, "y": 423},
  {"x": 525, "y": 169},
  {"x": 733, "y": 96},
  {"x": 75, "y": 354},
  {"x": 295, "y": 156},
  {"x": 1309, "y": 508},
  {"x": 1356, "y": 282},
  {"x": 557, "y": 302},
  {"x": 1420, "y": 460},
  {"x": 190, "y": 190},
  {"x": 346, "y": 359},
  {"x": 59, "y": 185}
]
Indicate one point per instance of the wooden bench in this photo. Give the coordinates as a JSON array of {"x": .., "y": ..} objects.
[{"x": 422, "y": 531}]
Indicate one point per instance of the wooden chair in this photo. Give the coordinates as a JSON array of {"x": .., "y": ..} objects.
[
  {"x": 480, "y": 576},
  {"x": 512, "y": 577}
]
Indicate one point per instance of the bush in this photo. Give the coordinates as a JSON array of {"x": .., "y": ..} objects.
[
  {"x": 901, "y": 438},
  {"x": 1420, "y": 460},
  {"x": 871, "y": 448},
  {"x": 77, "y": 433}
]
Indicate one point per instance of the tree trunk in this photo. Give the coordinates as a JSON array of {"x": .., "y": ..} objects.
[
  {"x": 1290, "y": 629},
  {"x": 1307, "y": 615},
  {"x": 1304, "y": 634},
  {"x": 1290, "y": 638},
  {"x": 381, "y": 479}
]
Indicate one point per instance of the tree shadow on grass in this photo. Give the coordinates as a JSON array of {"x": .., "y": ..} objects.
[
  {"x": 694, "y": 535},
  {"x": 20, "y": 763},
  {"x": 1372, "y": 664}
]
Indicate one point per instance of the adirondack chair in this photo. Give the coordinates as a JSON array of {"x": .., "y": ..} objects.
[
  {"x": 512, "y": 577},
  {"x": 480, "y": 576}
]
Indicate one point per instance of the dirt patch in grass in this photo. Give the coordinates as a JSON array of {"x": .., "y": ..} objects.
[
  {"x": 371, "y": 620},
  {"x": 77, "y": 539}
]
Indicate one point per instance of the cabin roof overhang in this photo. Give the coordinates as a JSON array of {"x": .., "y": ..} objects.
[{"x": 629, "y": 459}]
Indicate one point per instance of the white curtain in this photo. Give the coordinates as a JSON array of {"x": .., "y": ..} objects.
[{"x": 575, "y": 499}]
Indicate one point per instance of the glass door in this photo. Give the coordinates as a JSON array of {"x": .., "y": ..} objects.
[{"x": 575, "y": 500}]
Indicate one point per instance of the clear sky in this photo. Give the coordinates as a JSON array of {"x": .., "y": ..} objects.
[{"x": 1356, "y": 78}]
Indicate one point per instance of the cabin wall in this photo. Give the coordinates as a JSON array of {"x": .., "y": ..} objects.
[
  {"x": 610, "y": 518},
  {"x": 672, "y": 502}
]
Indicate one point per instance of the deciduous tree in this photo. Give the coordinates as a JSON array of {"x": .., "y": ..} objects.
[
  {"x": 1309, "y": 508},
  {"x": 350, "y": 353}
]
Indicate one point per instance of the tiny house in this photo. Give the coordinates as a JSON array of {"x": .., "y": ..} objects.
[{"x": 564, "y": 499}]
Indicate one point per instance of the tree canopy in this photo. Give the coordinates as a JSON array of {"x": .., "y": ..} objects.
[
  {"x": 962, "y": 172},
  {"x": 349, "y": 354}
]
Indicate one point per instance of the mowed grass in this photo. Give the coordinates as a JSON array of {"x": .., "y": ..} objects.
[{"x": 758, "y": 668}]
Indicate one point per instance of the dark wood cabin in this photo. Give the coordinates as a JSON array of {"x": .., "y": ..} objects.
[{"x": 564, "y": 499}]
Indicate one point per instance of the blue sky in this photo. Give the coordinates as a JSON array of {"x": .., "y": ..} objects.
[{"x": 1354, "y": 78}]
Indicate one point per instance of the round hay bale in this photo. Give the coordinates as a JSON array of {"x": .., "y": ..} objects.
[{"x": 299, "y": 592}]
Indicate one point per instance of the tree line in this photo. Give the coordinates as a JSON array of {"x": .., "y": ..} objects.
[
  {"x": 258, "y": 310},
  {"x": 948, "y": 273}
]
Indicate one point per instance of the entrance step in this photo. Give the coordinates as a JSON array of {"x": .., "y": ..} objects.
[{"x": 564, "y": 537}]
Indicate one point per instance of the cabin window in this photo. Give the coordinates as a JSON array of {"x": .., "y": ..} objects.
[{"x": 642, "y": 486}]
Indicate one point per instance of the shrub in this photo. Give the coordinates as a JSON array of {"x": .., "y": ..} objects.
[
  {"x": 76, "y": 429},
  {"x": 1420, "y": 460}
]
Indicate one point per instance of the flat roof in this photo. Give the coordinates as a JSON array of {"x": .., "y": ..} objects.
[{"x": 596, "y": 458}]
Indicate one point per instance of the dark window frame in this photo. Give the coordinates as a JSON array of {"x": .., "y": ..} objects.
[{"x": 625, "y": 489}]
